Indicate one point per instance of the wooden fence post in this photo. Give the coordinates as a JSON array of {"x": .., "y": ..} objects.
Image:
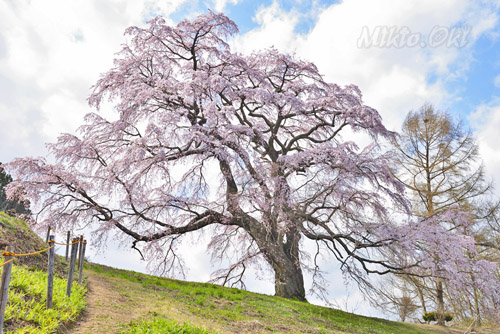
[
  {"x": 50, "y": 273},
  {"x": 48, "y": 233},
  {"x": 71, "y": 270},
  {"x": 80, "y": 264},
  {"x": 80, "y": 244},
  {"x": 67, "y": 246},
  {"x": 4, "y": 288}
]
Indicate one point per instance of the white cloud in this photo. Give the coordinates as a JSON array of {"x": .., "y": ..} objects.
[
  {"x": 62, "y": 103},
  {"x": 393, "y": 80},
  {"x": 486, "y": 121},
  {"x": 496, "y": 81},
  {"x": 51, "y": 53},
  {"x": 275, "y": 29},
  {"x": 220, "y": 5}
]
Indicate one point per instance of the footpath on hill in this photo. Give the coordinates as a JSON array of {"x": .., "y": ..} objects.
[
  {"x": 107, "y": 310},
  {"x": 112, "y": 303}
]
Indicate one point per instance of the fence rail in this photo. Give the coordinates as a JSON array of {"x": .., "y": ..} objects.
[{"x": 78, "y": 246}]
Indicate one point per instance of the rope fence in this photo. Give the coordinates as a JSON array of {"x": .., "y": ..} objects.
[
  {"x": 61, "y": 244},
  {"x": 3, "y": 264},
  {"x": 27, "y": 254},
  {"x": 78, "y": 246}
]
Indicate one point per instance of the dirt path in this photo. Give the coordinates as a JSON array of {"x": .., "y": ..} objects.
[
  {"x": 113, "y": 302},
  {"x": 107, "y": 308}
]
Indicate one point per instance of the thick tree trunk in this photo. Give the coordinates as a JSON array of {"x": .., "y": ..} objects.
[
  {"x": 289, "y": 282},
  {"x": 282, "y": 253}
]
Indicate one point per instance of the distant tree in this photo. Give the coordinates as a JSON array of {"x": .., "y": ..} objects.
[
  {"x": 13, "y": 206},
  {"x": 397, "y": 297},
  {"x": 438, "y": 162},
  {"x": 248, "y": 148},
  {"x": 406, "y": 307}
]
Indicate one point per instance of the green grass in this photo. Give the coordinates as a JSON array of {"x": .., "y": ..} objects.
[
  {"x": 26, "y": 311},
  {"x": 237, "y": 311},
  {"x": 161, "y": 325},
  {"x": 17, "y": 234},
  {"x": 13, "y": 223}
]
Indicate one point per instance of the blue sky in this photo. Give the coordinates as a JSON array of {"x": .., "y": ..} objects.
[
  {"x": 477, "y": 85},
  {"x": 239, "y": 12},
  {"x": 53, "y": 51}
]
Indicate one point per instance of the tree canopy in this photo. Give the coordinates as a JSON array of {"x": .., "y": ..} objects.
[{"x": 251, "y": 148}]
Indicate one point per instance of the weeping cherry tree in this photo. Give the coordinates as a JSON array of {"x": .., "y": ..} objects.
[{"x": 254, "y": 150}]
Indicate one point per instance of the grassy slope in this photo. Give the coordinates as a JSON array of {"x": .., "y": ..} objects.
[
  {"x": 26, "y": 311},
  {"x": 226, "y": 310},
  {"x": 16, "y": 233}
]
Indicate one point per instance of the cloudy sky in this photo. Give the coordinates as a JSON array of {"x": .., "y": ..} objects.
[{"x": 400, "y": 53}]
